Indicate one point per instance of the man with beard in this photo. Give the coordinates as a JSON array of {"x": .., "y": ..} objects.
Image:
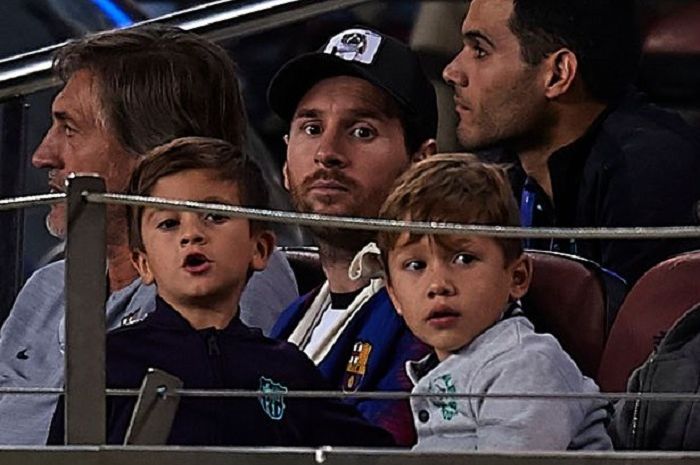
[
  {"x": 125, "y": 92},
  {"x": 550, "y": 82},
  {"x": 361, "y": 110}
]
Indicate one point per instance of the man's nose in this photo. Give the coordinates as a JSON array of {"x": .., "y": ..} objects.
[
  {"x": 46, "y": 154},
  {"x": 329, "y": 152},
  {"x": 454, "y": 73}
]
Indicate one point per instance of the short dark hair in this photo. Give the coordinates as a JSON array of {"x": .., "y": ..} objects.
[
  {"x": 192, "y": 153},
  {"x": 456, "y": 188},
  {"x": 603, "y": 34},
  {"x": 157, "y": 83}
]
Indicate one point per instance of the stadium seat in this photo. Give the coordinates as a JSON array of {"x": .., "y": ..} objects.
[
  {"x": 306, "y": 266},
  {"x": 661, "y": 296},
  {"x": 575, "y": 300}
]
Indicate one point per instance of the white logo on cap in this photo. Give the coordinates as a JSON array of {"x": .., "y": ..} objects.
[{"x": 358, "y": 45}]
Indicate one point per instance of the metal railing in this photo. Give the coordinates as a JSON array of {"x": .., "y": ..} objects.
[
  {"x": 225, "y": 19},
  {"x": 85, "y": 328}
]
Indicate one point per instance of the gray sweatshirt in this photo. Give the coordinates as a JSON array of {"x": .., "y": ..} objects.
[{"x": 507, "y": 358}]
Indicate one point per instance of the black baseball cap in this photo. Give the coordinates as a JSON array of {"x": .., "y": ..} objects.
[{"x": 382, "y": 60}]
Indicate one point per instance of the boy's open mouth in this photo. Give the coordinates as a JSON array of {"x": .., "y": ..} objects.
[{"x": 196, "y": 262}]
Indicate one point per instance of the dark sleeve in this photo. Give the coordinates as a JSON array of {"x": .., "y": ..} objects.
[
  {"x": 340, "y": 424},
  {"x": 118, "y": 417},
  {"x": 56, "y": 430},
  {"x": 656, "y": 185},
  {"x": 337, "y": 423}
]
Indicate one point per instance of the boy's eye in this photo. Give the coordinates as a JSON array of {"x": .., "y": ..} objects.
[
  {"x": 216, "y": 218},
  {"x": 363, "y": 132},
  {"x": 414, "y": 265},
  {"x": 166, "y": 224},
  {"x": 463, "y": 258}
]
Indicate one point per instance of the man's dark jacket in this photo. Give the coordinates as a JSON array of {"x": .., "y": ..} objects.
[
  {"x": 673, "y": 368},
  {"x": 637, "y": 165}
]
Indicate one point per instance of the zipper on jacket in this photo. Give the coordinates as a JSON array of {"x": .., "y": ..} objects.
[{"x": 638, "y": 404}]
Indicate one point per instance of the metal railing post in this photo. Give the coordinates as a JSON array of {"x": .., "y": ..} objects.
[{"x": 86, "y": 293}]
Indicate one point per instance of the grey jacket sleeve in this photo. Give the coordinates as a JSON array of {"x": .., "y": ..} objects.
[{"x": 268, "y": 293}]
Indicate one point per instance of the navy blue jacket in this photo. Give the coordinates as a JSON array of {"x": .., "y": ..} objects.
[
  {"x": 237, "y": 357},
  {"x": 637, "y": 165},
  {"x": 376, "y": 327}
]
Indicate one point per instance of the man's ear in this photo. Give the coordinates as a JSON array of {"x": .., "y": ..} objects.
[
  {"x": 263, "y": 245},
  {"x": 140, "y": 261},
  {"x": 392, "y": 296},
  {"x": 521, "y": 276},
  {"x": 426, "y": 149},
  {"x": 561, "y": 68},
  {"x": 285, "y": 175}
]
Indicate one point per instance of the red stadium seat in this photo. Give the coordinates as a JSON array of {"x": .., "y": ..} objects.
[
  {"x": 575, "y": 300},
  {"x": 655, "y": 302},
  {"x": 306, "y": 266}
]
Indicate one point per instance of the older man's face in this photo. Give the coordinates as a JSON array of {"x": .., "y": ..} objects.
[{"x": 79, "y": 141}]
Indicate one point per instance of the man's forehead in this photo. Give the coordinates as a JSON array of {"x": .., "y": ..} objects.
[
  {"x": 79, "y": 98},
  {"x": 489, "y": 17}
]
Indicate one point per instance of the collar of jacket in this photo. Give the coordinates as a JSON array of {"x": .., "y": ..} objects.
[{"x": 166, "y": 317}]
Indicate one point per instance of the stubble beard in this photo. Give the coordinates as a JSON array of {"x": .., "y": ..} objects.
[
  {"x": 524, "y": 129},
  {"x": 332, "y": 240}
]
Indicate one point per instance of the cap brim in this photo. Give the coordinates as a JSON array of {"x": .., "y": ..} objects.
[{"x": 297, "y": 76}]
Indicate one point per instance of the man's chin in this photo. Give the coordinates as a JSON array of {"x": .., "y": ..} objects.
[
  {"x": 56, "y": 226},
  {"x": 349, "y": 240}
]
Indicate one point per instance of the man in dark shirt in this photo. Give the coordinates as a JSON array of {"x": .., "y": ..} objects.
[{"x": 549, "y": 82}]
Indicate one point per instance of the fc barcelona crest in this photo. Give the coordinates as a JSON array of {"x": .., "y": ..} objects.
[
  {"x": 357, "y": 366},
  {"x": 272, "y": 401}
]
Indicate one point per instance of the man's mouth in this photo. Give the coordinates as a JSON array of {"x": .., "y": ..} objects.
[
  {"x": 196, "y": 263},
  {"x": 460, "y": 104},
  {"x": 55, "y": 187},
  {"x": 328, "y": 185}
]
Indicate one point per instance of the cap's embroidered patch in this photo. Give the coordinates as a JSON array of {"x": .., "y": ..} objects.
[
  {"x": 272, "y": 400},
  {"x": 358, "y": 45}
]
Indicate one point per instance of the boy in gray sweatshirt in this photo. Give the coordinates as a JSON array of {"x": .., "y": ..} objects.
[{"x": 459, "y": 295}]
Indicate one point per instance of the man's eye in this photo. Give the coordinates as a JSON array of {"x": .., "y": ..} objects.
[
  {"x": 363, "y": 132},
  {"x": 167, "y": 224},
  {"x": 68, "y": 130},
  {"x": 479, "y": 52},
  {"x": 463, "y": 259},
  {"x": 215, "y": 218},
  {"x": 414, "y": 265},
  {"x": 311, "y": 129}
]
